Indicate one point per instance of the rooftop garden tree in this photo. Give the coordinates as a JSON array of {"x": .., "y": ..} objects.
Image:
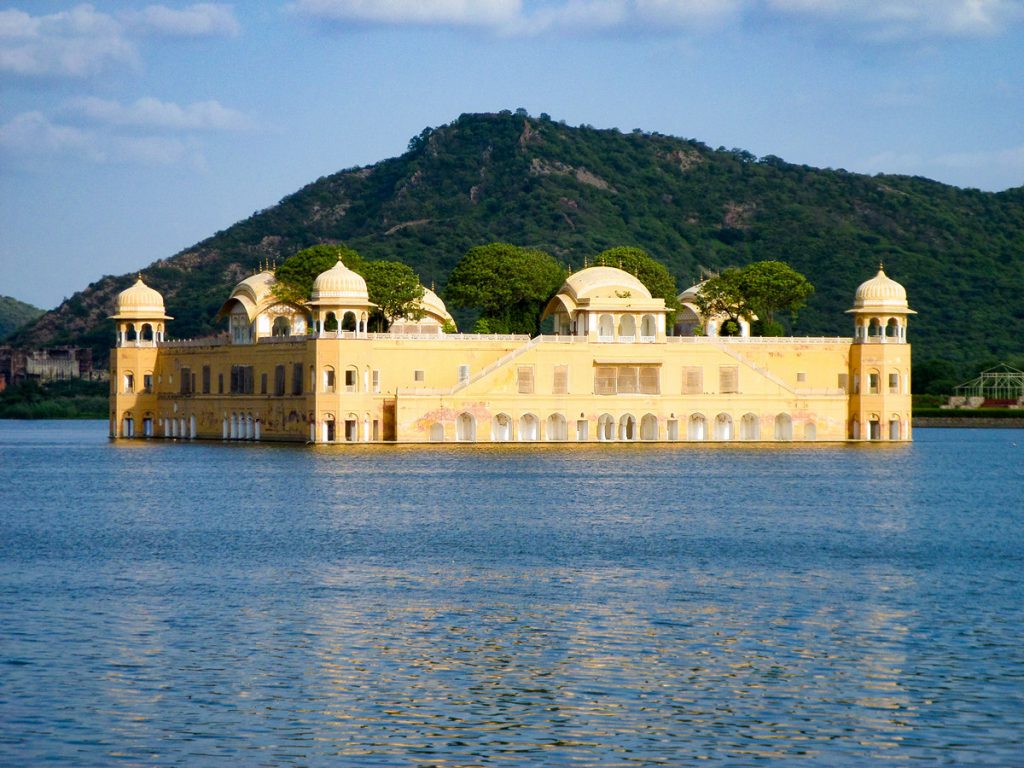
[{"x": 507, "y": 283}]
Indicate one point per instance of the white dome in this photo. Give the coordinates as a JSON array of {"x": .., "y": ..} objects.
[
  {"x": 880, "y": 292},
  {"x": 340, "y": 283},
  {"x": 140, "y": 300},
  {"x": 603, "y": 282}
]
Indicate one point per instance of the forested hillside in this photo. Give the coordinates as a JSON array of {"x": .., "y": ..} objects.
[
  {"x": 14, "y": 313},
  {"x": 575, "y": 191}
]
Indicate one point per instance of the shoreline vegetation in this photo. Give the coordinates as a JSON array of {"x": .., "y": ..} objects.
[{"x": 65, "y": 399}]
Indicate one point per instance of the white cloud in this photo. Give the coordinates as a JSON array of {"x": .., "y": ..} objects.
[
  {"x": 488, "y": 13},
  {"x": 78, "y": 43},
  {"x": 32, "y": 134},
  {"x": 199, "y": 20},
  {"x": 83, "y": 42},
  {"x": 153, "y": 113},
  {"x": 879, "y": 20},
  {"x": 902, "y": 19}
]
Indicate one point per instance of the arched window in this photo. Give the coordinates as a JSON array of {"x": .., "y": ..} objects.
[
  {"x": 606, "y": 427},
  {"x": 723, "y": 427},
  {"x": 556, "y": 427},
  {"x": 648, "y": 328},
  {"x": 892, "y": 328},
  {"x": 783, "y": 427},
  {"x": 627, "y": 328},
  {"x": 874, "y": 328},
  {"x": 437, "y": 433},
  {"x": 147, "y": 332},
  {"x": 529, "y": 428},
  {"x": 874, "y": 428},
  {"x": 282, "y": 326},
  {"x": 351, "y": 379},
  {"x": 501, "y": 428},
  {"x": 129, "y": 382},
  {"x": 750, "y": 427},
  {"x": 329, "y": 382},
  {"x": 627, "y": 427},
  {"x": 649, "y": 427},
  {"x": 696, "y": 427},
  {"x": 894, "y": 427},
  {"x": 810, "y": 431},
  {"x": 331, "y": 322},
  {"x": 855, "y": 428},
  {"x": 606, "y": 328},
  {"x": 465, "y": 428},
  {"x": 131, "y": 334},
  {"x": 348, "y": 322}
]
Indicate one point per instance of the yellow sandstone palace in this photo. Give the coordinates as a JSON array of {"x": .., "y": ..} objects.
[{"x": 610, "y": 372}]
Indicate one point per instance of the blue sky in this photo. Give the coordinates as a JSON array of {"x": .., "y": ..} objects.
[{"x": 129, "y": 131}]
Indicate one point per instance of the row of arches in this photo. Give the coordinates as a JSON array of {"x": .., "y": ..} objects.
[
  {"x": 529, "y": 427},
  {"x": 625, "y": 330},
  {"x": 353, "y": 428},
  {"x": 881, "y": 329},
  {"x": 349, "y": 322},
  {"x": 130, "y": 334},
  {"x": 875, "y": 428},
  {"x": 165, "y": 426}
]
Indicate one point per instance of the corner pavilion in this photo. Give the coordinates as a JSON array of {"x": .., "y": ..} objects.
[{"x": 609, "y": 372}]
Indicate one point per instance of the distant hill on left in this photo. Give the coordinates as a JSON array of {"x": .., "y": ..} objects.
[{"x": 14, "y": 314}]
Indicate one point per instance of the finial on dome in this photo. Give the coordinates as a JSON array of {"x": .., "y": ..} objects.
[
  {"x": 881, "y": 265},
  {"x": 584, "y": 262}
]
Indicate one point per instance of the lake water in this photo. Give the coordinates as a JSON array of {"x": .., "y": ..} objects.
[{"x": 604, "y": 605}]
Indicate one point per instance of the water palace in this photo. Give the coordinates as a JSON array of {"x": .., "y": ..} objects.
[{"x": 609, "y": 372}]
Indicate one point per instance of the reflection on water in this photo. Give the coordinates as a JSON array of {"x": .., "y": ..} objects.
[{"x": 220, "y": 604}]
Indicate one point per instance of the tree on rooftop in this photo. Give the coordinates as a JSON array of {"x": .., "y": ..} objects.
[
  {"x": 773, "y": 286},
  {"x": 394, "y": 288},
  {"x": 507, "y": 283}
]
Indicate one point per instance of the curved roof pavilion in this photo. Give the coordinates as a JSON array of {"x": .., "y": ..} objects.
[{"x": 607, "y": 304}]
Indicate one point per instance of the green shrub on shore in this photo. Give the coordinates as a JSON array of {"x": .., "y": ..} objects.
[{"x": 68, "y": 399}]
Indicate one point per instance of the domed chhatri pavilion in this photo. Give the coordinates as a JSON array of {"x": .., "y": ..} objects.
[{"x": 610, "y": 371}]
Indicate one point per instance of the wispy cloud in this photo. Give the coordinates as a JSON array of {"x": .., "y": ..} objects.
[
  {"x": 488, "y": 13},
  {"x": 877, "y": 20},
  {"x": 152, "y": 113},
  {"x": 83, "y": 42},
  {"x": 32, "y": 134},
  {"x": 902, "y": 19},
  {"x": 199, "y": 20},
  {"x": 147, "y": 132}
]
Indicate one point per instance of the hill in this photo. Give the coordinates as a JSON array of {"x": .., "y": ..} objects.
[
  {"x": 14, "y": 314},
  {"x": 575, "y": 191}
]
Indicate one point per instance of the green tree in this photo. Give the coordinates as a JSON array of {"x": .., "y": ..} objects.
[
  {"x": 773, "y": 286},
  {"x": 296, "y": 275},
  {"x": 723, "y": 295},
  {"x": 507, "y": 283},
  {"x": 394, "y": 288},
  {"x": 757, "y": 290},
  {"x": 652, "y": 273}
]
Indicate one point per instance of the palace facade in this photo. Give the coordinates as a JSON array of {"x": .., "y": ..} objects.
[{"x": 609, "y": 372}]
